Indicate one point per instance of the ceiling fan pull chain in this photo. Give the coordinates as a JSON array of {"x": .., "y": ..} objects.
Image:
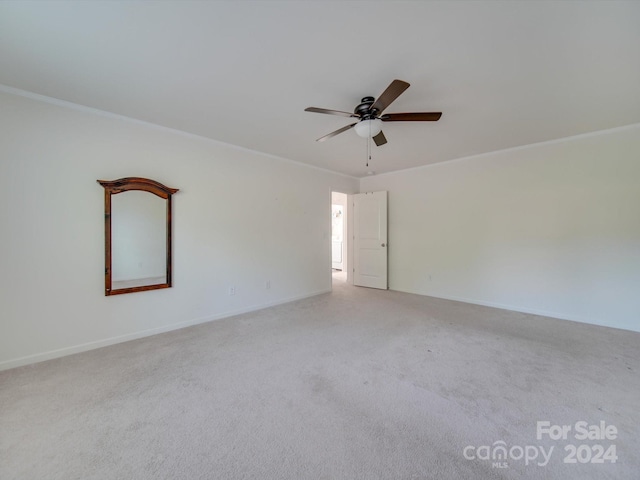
[
  {"x": 369, "y": 145},
  {"x": 368, "y": 148}
]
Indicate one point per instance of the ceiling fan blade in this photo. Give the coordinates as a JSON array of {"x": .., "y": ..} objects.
[
  {"x": 329, "y": 112},
  {"x": 337, "y": 132},
  {"x": 412, "y": 117},
  {"x": 380, "y": 139},
  {"x": 392, "y": 92}
]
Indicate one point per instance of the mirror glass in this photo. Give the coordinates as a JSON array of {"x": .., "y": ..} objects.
[
  {"x": 138, "y": 239},
  {"x": 137, "y": 233}
]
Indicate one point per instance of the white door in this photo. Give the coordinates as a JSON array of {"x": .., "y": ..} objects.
[{"x": 370, "y": 239}]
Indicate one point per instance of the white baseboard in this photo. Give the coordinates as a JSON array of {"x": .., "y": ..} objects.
[{"x": 63, "y": 352}]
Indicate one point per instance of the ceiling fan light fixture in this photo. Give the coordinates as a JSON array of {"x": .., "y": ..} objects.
[{"x": 368, "y": 128}]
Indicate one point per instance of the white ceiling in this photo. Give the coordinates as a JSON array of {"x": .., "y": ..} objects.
[{"x": 504, "y": 73}]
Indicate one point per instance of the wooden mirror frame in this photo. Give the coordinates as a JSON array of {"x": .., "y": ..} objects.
[{"x": 123, "y": 185}]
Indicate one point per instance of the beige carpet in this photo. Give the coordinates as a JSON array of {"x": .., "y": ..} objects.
[{"x": 357, "y": 384}]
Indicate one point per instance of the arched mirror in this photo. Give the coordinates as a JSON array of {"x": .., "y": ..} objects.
[{"x": 137, "y": 228}]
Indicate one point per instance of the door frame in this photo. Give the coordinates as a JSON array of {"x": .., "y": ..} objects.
[{"x": 347, "y": 237}]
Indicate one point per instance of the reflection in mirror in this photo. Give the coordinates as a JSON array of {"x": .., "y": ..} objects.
[
  {"x": 137, "y": 235},
  {"x": 138, "y": 239}
]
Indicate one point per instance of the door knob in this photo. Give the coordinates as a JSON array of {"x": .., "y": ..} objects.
[{"x": 383, "y": 245}]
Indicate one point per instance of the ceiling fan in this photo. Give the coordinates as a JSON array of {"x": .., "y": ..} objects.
[{"x": 370, "y": 116}]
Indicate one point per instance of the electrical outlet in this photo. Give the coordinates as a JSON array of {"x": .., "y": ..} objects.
[
  {"x": 268, "y": 284},
  {"x": 232, "y": 290}
]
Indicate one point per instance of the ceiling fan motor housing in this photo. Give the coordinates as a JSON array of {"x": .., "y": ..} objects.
[{"x": 362, "y": 110}]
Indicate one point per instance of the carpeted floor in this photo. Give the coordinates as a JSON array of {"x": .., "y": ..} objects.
[{"x": 356, "y": 384}]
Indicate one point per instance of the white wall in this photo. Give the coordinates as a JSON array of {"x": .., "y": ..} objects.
[
  {"x": 552, "y": 228},
  {"x": 240, "y": 218}
]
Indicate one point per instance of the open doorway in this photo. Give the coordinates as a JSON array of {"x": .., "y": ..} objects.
[{"x": 339, "y": 238}]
